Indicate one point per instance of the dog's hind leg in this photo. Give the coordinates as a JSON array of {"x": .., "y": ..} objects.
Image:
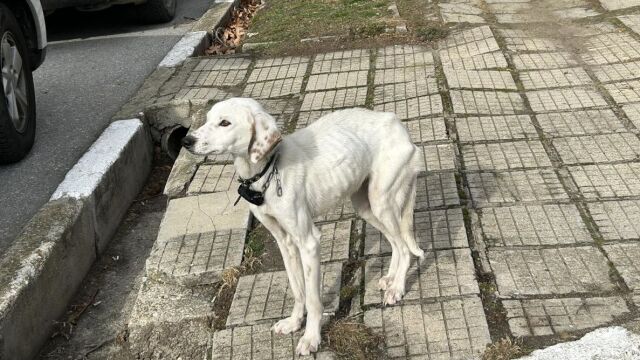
[{"x": 293, "y": 266}]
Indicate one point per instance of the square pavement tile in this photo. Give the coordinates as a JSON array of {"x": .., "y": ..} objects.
[
  {"x": 196, "y": 259},
  {"x": 607, "y": 180},
  {"x": 558, "y": 271},
  {"x": 426, "y": 129},
  {"x": 541, "y": 61},
  {"x": 461, "y": 13},
  {"x": 213, "y": 178},
  {"x": 438, "y": 157},
  {"x": 617, "y": 220},
  {"x": 403, "y": 56},
  {"x": 617, "y": 72},
  {"x": 401, "y": 91},
  {"x": 505, "y": 155},
  {"x": 598, "y": 148},
  {"x": 564, "y": 99},
  {"x": 538, "y": 317},
  {"x": 435, "y": 190},
  {"x": 257, "y": 342},
  {"x": 341, "y": 61},
  {"x": 489, "y": 128},
  {"x": 449, "y": 329},
  {"x": 458, "y": 58},
  {"x": 437, "y": 229},
  {"x": 334, "y": 241},
  {"x": 581, "y": 122},
  {"x": 632, "y": 21},
  {"x": 274, "y": 88},
  {"x": 281, "y": 61},
  {"x": 412, "y": 108},
  {"x": 282, "y": 110},
  {"x": 530, "y": 225},
  {"x": 295, "y": 70},
  {"x": 633, "y": 113},
  {"x": 478, "y": 39},
  {"x": 625, "y": 259},
  {"x": 334, "y": 99},
  {"x": 545, "y": 79},
  {"x": 306, "y": 118},
  {"x": 492, "y": 188},
  {"x": 221, "y": 64},
  {"x": 202, "y": 93},
  {"x": 479, "y": 79},
  {"x": 216, "y": 78},
  {"x": 338, "y": 80},
  {"x": 441, "y": 273},
  {"x": 611, "y": 48},
  {"x": 267, "y": 296},
  {"x": 340, "y": 212},
  {"x": 617, "y": 4},
  {"x": 521, "y": 41},
  {"x": 486, "y": 102},
  {"x": 425, "y": 74},
  {"x": 624, "y": 92}
]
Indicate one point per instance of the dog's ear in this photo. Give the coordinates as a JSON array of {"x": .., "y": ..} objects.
[{"x": 264, "y": 135}]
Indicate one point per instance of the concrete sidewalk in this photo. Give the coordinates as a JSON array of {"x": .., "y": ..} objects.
[{"x": 529, "y": 210}]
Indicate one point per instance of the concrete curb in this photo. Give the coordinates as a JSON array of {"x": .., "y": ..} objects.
[{"x": 41, "y": 271}]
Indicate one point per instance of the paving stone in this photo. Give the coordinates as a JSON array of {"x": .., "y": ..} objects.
[
  {"x": 617, "y": 220},
  {"x": 515, "y": 186},
  {"x": 341, "y": 61},
  {"x": 618, "y": 4},
  {"x": 275, "y": 88},
  {"x": 398, "y": 56},
  {"x": 575, "y": 13},
  {"x": 202, "y": 93},
  {"x": 426, "y": 129},
  {"x": 337, "y": 80},
  {"x": 611, "y": 48},
  {"x": 581, "y": 122},
  {"x": 437, "y": 229},
  {"x": 458, "y": 58},
  {"x": 203, "y": 213},
  {"x": 514, "y": 18},
  {"x": 255, "y": 342},
  {"x": 281, "y": 61},
  {"x": 549, "y": 271},
  {"x": 528, "y": 225},
  {"x": 625, "y": 259},
  {"x": 424, "y": 75},
  {"x": 632, "y": 21},
  {"x": 485, "y": 79},
  {"x": 519, "y": 40},
  {"x": 340, "y": 212},
  {"x": 538, "y": 317},
  {"x": 607, "y": 180},
  {"x": 267, "y": 296},
  {"x": 540, "y": 61},
  {"x": 473, "y": 36},
  {"x": 544, "y": 79},
  {"x": 196, "y": 259},
  {"x": 221, "y": 64},
  {"x": 436, "y": 189},
  {"x": 219, "y": 159},
  {"x": 633, "y": 113},
  {"x": 624, "y": 92},
  {"x": 505, "y": 156},
  {"x": 215, "y": 78},
  {"x": 448, "y": 329},
  {"x": 487, "y": 128},
  {"x": 306, "y": 118},
  {"x": 442, "y": 273},
  {"x": 564, "y": 99},
  {"x": 295, "y": 70},
  {"x": 438, "y": 157},
  {"x": 333, "y": 99},
  {"x": 413, "y": 107},
  {"x": 617, "y": 72},
  {"x": 283, "y": 110},
  {"x": 402, "y": 91},
  {"x": 461, "y": 13},
  {"x": 598, "y": 148},
  {"x": 213, "y": 178},
  {"x": 334, "y": 243},
  {"x": 486, "y": 102}
]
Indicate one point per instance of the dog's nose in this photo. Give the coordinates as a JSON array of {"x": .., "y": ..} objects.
[{"x": 188, "y": 141}]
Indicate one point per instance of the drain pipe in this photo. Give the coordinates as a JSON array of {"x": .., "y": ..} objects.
[{"x": 171, "y": 140}]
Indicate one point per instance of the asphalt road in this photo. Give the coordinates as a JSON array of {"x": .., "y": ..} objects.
[{"x": 95, "y": 63}]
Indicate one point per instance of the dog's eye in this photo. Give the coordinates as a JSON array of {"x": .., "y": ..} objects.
[{"x": 224, "y": 123}]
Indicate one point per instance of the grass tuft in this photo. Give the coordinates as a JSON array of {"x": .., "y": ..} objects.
[
  {"x": 351, "y": 340},
  {"x": 503, "y": 349}
]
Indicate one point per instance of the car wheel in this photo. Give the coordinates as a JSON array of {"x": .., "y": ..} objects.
[
  {"x": 157, "y": 11},
  {"x": 17, "y": 96}
]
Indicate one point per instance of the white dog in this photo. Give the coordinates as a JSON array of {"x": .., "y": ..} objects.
[{"x": 363, "y": 154}]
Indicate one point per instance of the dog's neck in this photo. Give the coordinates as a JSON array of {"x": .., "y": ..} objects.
[{"x": 246, "y": 169}]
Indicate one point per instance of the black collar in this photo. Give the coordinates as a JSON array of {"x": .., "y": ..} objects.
[{"x": 257, "y": 197}]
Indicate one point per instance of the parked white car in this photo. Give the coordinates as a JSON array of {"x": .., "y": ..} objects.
[
  {"x": 150, "y": 11},
  {"x": 23, "y": 42}
]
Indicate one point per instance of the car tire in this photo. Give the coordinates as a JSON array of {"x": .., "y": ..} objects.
[
  {"x": 17, "y": 95},
  {"x": 157, "y": 11}
]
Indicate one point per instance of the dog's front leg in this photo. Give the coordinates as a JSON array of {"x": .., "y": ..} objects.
[{"x": 309, "y": 247}]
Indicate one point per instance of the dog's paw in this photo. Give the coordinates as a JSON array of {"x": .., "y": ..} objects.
[
  {"x": 392, "y": 296},
  {"x": 287, "y": 326},
  {"x": 385, "y": 282},
  {"x": 308, "y": 344}
]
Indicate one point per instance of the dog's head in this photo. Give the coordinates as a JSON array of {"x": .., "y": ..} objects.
[{"x": 237, "y": 126}]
